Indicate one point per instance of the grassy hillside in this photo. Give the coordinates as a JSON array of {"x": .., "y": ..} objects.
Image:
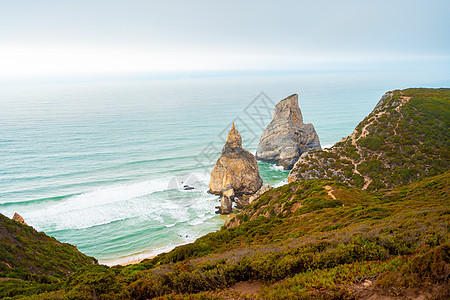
[
  {"x": 318, "y": 239},
  {"x": 31, "y": 261},
  {"x": 405, "y": 138},
  {"x": 334, "y": 236}
]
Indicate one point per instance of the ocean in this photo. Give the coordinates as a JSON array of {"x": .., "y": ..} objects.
[{"x": 101, "y": 163}]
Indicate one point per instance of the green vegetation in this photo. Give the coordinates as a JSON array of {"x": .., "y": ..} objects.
[
  {"x": 323, "y": 238},
  {"x": 319, "y": 247},
  {"x": 404, "y": 139},
  {"x": 32, "y": 262}
]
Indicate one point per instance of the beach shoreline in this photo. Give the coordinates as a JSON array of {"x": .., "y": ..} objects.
[
  {"x": 130, "y": 259},
  {"x": 149, "y": 254}
]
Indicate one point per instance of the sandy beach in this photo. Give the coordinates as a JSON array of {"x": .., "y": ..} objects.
[
  {"x": 129, "y": 260},
  {"x": 138, "y": 257}
]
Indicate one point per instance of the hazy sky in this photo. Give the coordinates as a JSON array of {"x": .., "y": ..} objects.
[{"x": 74, "y": 37}]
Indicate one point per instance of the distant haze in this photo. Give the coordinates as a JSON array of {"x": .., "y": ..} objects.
[{"x": 107, "y": 36}]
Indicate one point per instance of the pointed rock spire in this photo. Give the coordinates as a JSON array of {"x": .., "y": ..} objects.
[
  {"x": 236, "y": 169},
  {"x": 234, "y": 139},
  {"x": 288, "y": 109}
]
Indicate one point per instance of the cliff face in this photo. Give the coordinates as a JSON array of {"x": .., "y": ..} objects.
[
  {"x": 287, "y": 137},
  {"x": 405, "y": 138},
  {"x": 236, "y": 168}
]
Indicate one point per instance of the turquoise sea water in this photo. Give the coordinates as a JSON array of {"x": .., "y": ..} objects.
[{"x": 101, "y": 164}]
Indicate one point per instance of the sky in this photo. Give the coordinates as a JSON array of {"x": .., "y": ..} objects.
[{"x": 40, "y": 38}]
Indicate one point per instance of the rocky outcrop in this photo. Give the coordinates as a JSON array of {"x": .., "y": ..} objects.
[
  {"x": 236, "y": 168},
  {"x": 18, "y": 218},
  {"x": 287, "y": 137},
  {"x": 226, "y": 201},
  {"x": 261, "y": 191}
]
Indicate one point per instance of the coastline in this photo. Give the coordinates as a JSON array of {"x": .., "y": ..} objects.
[
  {"x": 75, "y": 210},
  {"x": 149, "y": 254},
  {"x": 129, "y": 260}
]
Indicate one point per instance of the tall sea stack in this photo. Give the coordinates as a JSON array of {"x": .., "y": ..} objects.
[
  {"x": 236, "y": 168},
  {"x": 287, "y": 137}
]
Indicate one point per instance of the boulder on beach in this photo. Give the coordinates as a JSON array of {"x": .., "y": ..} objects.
[
  {"x": 236, "y": 168},
  {"x": 287, "y": 137}
]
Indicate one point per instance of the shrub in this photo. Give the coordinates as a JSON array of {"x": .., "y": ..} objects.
[{"x": 431, "y": 267}]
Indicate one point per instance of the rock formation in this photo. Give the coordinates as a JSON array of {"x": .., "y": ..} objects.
[
  {"x": 287, "y": 137},
  {"x": 261, "y": 191},
  {"x": 236, "y": 168},
  {"x": 18, "y": 218},
  {"x": 226, "y": 201}
]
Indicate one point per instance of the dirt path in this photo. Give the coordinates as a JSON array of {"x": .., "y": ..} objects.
[
  {"x": 364, "y": 133},
  {"x": 404, "y": 100},
  {"x": 246, "y": 287},
  {"x": 330, "y": 191}
]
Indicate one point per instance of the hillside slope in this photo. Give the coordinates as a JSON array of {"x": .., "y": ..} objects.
[
  {"x": 26, "y": 254},
  {"x": 384, "y": 234},
  {"x": 405, "y": 138},
  {"x": 318, "y": 239}
]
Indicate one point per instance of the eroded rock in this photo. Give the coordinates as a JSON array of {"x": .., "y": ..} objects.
[
  {"x": 226, "y": 201},
  {"x": 287, "y": 137},
  {"x": 236, "y": 167},
  {"x": 261, "y": 191}
]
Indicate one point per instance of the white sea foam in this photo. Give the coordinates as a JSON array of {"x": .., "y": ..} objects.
[
  {"x": 277, "y": 168},
  {"x": 119, "y": 202},
  {"x": 280, "y": 184},
  {"x": 196, "y": 221}
]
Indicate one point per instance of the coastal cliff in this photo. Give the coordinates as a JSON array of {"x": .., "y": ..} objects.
[
  {"x": 310, "y": 239},
  {"x": 287, "y": 137},
  {"x": 405, "y": 138}
]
